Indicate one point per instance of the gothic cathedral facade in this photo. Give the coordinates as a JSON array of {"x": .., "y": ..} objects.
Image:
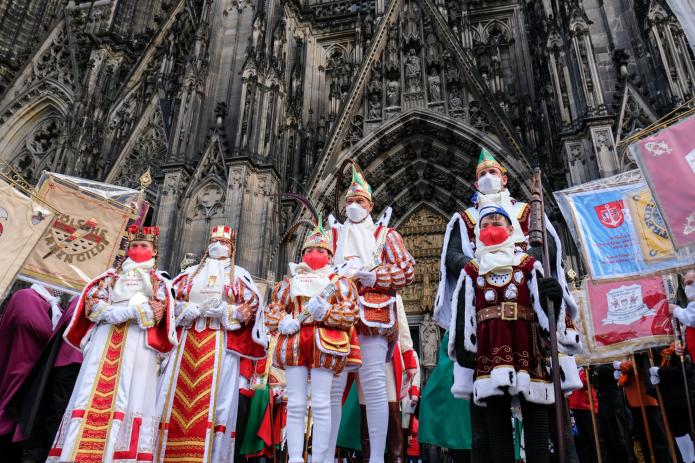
[{"x": 231, "y": 102}]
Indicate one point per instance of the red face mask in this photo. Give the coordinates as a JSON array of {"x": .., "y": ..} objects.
[
  {"x": 315, "y": 259},
  {"x": 491, "y": 236},
  {"x": 140, "y": 254}
]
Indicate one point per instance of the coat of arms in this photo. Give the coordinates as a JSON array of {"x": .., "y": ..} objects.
[
  {"x": 611, "y": 214},
  {"x": 81, "y": 240},
  {"x": 626, "y": 306},
  {"x": 658, "y": 148}
]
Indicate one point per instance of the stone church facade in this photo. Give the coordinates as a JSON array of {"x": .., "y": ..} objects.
[{"x": 231, "y": 102}]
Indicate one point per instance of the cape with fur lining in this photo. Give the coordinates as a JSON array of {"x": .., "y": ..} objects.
[
  {"x": 161, "y": 337},
  {"x": 250, "y": 341},
  {"x": 505, "y": 378},
  {"x": 449, "y": 285}
]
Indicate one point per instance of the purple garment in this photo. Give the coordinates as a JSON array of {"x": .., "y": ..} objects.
[
  {"x": 66, "y": 353},
  {"x": 25, "y": 328}
]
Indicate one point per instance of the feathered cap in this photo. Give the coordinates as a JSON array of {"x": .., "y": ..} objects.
[
  {"x": 222, "y": 232},
  {"x": 487, "y": 160},
  {"x": 486, "y": 207},
  {"x": 358, "y": 186},
  {"x": 318, "y": 237},
  {"x": 137, "y": 233}
]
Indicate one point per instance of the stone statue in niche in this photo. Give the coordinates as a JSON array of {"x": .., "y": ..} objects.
[
  {"x": 455, "y": 102},
  {"x": 393, "y": 93},
  {"x": 429, "y": 334},
  {"x": 434, "y": 82},
  {"x": 374, "y": 106},
  {"x": 368, "y": 27},
  {"x": 432, "y": 49},
  {"x": 392, "y": 52},
  {"x": 413, "y": 72}
]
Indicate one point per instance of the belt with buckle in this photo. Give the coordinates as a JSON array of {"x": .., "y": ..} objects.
[{"x": 509, "y": 311}]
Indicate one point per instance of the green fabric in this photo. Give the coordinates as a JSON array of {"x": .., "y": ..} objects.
[
  {"x": 485, "y": 156},
  {"x": 253, "y": 444},
  {"x": 444, "y": 420},
  {"x": 349, "y": 431},
  {"x": 517, "y": 439}
]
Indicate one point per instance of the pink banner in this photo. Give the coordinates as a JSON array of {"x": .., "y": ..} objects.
[
  {"x": 627, "y": 311},
  {"x": 667, "y": 161}
]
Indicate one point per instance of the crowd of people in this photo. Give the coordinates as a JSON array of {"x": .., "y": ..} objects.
[{"x": 197, "y": 368}]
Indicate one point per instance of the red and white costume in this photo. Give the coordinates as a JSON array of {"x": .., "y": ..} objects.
[
  {"x": 317, "y": 347},
  {"x": 112, "y": 413},
  {"x": 199, "y": 391},
  {"x": 386, "y": 267}
]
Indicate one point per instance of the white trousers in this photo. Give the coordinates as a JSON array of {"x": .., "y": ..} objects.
[
  {"x": 297, "y": 384},
  {"x": 372, "y": 381}
]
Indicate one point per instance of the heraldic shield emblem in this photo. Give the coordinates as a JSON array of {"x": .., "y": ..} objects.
[
  {"x": 73, "y": 240},
  {"x": 611, "y": 214}
]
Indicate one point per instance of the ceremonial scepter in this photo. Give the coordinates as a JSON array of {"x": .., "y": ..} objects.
[{"x": 538, "y": 237}]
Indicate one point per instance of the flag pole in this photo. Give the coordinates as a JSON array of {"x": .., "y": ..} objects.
[
  {"x": 662, "y": 409},
  {"x": 643, "y": 409},
  {"x": 538, "y": 236},
  {"x": 677, "y": 294},
  {"x": 590, "y": 389}
]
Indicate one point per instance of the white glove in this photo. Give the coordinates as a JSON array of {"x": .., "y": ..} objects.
[
  {"x": 654, "y": 375},
  {"x": 288, "y": 325},
  {"x": 616, "y": 365},
  {"x": 318, "y": 307},
  {"x": 118, "y": 315},
  {"x": 214, "y": 308},
  {"x": 368, "y": 279},
  {"x": 138, "y": 298},
  {"x": 189, "y": 312}
]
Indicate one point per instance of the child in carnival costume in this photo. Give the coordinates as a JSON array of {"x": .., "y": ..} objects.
[
  {"x": 500, "y": 337},
  {"x": 123, "y": 322},
  {"x": 217, "y": 303},
  {"x": 312, "y": 312}
]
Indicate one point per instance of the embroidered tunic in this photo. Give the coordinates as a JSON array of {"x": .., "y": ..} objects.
[
  {"x": 511, "y": 351},
  {"x": 322, "y": 343}
]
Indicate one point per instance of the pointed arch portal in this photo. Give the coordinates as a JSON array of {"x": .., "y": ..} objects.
[{"x": 422, "y": 157}]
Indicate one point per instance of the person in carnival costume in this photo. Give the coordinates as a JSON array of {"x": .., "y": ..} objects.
[
  {"x": 312, "y": 312},
  {"x": 382, "y": 266},
  {"x": 459, "y": 248},
  {"x": 123, "y": 322},
  {"x": 499, "y": 337},
  {"x": 217, "y": 304}
]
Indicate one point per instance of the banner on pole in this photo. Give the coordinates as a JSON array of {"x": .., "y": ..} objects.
[
  {"x": 623, "y": 316},
  {"x": 667, "y": 162},
  {"x": 85, "y": 237},
  {"x": 619, "y": 229},
  {"x": 22, "y": 222}
]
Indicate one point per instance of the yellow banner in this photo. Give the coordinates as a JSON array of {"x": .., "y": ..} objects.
[
  {"x": 22, "y": 222},
  {"x": 83, "y": 240},
  {"x": 650, "y": 227}
]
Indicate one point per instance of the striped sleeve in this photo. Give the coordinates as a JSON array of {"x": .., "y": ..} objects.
[{"x": 398, "y": 268}]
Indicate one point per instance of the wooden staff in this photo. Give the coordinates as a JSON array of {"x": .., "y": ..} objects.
[
  {"x": 307, "y": 435},
  {"x": 662, "y": 409},
  {"x": 538, "y": 237},
  {"x": 590, "y": 389},
  {"x": 647, "y": 432}
]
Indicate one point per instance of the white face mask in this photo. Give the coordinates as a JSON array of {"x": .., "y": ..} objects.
[
  {"x": 690, "y": 291},
  {"x": 356, "y": 213},
  {"x": 218, "y": 250},
  {"x": 489, "y": 184}
]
